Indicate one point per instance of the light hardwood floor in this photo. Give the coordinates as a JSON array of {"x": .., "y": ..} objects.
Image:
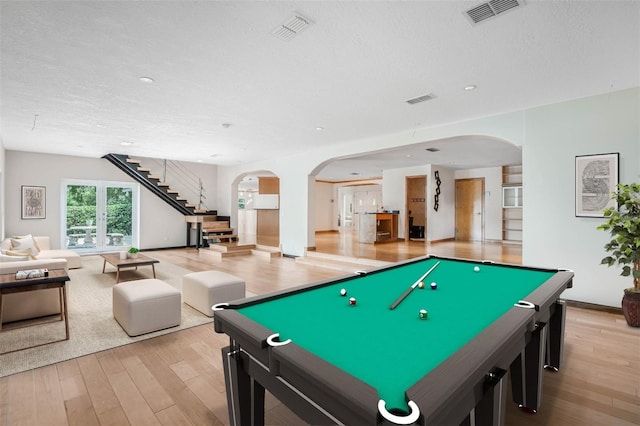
[{"x": 176, "y": 379}]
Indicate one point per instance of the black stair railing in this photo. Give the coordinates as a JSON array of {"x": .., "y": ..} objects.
[{"x": 154, "y": 185}]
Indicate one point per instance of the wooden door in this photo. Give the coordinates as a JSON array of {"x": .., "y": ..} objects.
[
  {"x": 268, "y": 221},
  {"x": 469, "y": 209},
  {"x": 416, "y": 219}
]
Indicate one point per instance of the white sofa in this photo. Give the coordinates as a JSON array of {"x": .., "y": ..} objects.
[
  {"x": 31, "y": 304},
  {"x": 44, "y": 252}
]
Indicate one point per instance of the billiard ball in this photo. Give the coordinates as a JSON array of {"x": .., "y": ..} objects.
[
  {"x": 434, "y": 286},
  {"x": 421, "y": 285},
  {"x": 476, "y": 269},
  {"x": 343, "y": 292},
  {"x": 352, "y": 301},
  {"x": 423, "y": 314}
]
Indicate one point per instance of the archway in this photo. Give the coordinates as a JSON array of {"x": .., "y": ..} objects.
[
  {"x": 457, "y": 157},
  {"x": 257, "y": 207}
]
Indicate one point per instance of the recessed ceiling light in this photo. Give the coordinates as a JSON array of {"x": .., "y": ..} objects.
[
  {"x": 319, "y": 128},
  {"x": 354, "y": 173},
  {"x": 215, "y": 155},
  {"x": 470, "y": 87},
  {"x": 147, "y": 79},
  {"x": 198, "y": 161},
  {"x": 101, "y": 126},
  {"x": 226, "y": 125},
  {"x": 126, "y": 143}
]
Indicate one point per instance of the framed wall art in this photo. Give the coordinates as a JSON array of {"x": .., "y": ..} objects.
[
  {"x": 596, "y": 178},
  {"x": 34, "y": 202}
]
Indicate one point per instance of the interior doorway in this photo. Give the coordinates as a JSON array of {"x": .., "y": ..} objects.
[
  {"x": 416, "y": 220},
  {"x": 470, "y": 209}
]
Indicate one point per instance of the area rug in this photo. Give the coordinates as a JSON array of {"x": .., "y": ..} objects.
[{"x": 91, "y": 323}]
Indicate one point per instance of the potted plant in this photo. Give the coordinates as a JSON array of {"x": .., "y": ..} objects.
[
  {"x": 132, "y": 253},
  {"x": 623, "y": 224}
]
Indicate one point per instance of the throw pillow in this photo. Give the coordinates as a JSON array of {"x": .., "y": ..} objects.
[
  {"x": 5, "y": 245},
  {"x": 24, "y": 244}
]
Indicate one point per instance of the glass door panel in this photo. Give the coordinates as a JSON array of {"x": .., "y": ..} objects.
[
  {"x": 119, "y": 217},
  {"x": 81, "y": 217},
  {"x": 100, "y": 216}
]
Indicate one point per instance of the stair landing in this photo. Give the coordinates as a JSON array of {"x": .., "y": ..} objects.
[{"x": 235, "y": 248}]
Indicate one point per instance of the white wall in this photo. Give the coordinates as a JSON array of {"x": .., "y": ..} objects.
[
  {"x": 2, "y": 189},
  {"x": 552, "y": 235},
  {"x": 441, "y": 224},
  {"x": 160, "y": 225},
  {"x": 326, "y": 206}
]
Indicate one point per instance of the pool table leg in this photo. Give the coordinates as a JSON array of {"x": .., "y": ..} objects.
[
  {"x": 245, "y": 396},
  {"x": 555, "y": 341},
  {"x": 526, "y": 371},
  {"x": 490, "y": 411}
]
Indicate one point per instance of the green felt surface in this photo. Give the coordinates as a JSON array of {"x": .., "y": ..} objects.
[{"x": 392, "y": 349}]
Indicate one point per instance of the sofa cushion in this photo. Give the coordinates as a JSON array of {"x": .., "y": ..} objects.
[
  {"x": 73, "y": 259},
  {"x": 8, "y": 257},
  {"x": 24, "y": 244},
  {"x": 5, "y": 245}
]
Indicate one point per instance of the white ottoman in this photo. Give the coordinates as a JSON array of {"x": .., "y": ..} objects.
[
  {"x": 143, "y": 306},
  {"x": 202, "y": 290}
]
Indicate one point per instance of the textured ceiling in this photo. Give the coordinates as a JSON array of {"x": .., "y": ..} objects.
[{"x": 70, "y": 74}]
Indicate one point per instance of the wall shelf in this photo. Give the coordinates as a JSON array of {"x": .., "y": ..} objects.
[{"x": 512, "y": 201}]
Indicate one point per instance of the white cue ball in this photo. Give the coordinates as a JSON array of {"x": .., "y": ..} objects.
[
  {"x": 343, "y": 292},
  {"x": 476, "y": 269}
]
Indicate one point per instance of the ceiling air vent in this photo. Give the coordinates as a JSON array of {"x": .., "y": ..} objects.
[
  {"x": 491, "y": 9},
  {"x": 291, "y": 27},
  {"x": 420, "y": 99}
]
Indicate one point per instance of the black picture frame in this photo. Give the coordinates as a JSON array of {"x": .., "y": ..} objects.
[
  {"x": 33, "y": 204},
  {"x": 596, "y": 177}
]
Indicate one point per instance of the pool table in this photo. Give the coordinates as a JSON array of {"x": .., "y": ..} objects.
[{"x": 379, "y": 360}]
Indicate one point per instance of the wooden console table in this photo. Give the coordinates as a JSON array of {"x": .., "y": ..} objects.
[{"x": 57, "y": 279}]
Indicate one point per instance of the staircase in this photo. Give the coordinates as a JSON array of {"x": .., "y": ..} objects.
[{"x": 143, "y": 175}]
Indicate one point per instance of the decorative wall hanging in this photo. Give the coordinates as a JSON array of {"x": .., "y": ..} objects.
[
  {"x": 437, "y": 196},
  {"x": 596, "y": 177},
  {"x": 34, "y": 202}
]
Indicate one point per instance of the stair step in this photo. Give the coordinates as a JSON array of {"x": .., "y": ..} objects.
[
  {"x": 132, "y": 161},
  {"x": 232, "y": 247},
  {"x": 266, "y": 252},
  {"x": 190, "y": 205},
  {"x": 339, "y": 263},
  {"x": 153, "y": 177},
  {"x": 225, "y": 237},
  {"x": 181, "y": 199},
  {"x": 172, "y": 191},
  {"x": 163, "y": 184},
  {"x": 143, "y": 169}
]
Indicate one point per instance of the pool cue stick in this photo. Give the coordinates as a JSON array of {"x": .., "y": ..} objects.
[{"x": 414, "y": 285}]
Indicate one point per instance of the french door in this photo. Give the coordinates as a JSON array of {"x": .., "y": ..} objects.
[{"x": 99, "y": 216}]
